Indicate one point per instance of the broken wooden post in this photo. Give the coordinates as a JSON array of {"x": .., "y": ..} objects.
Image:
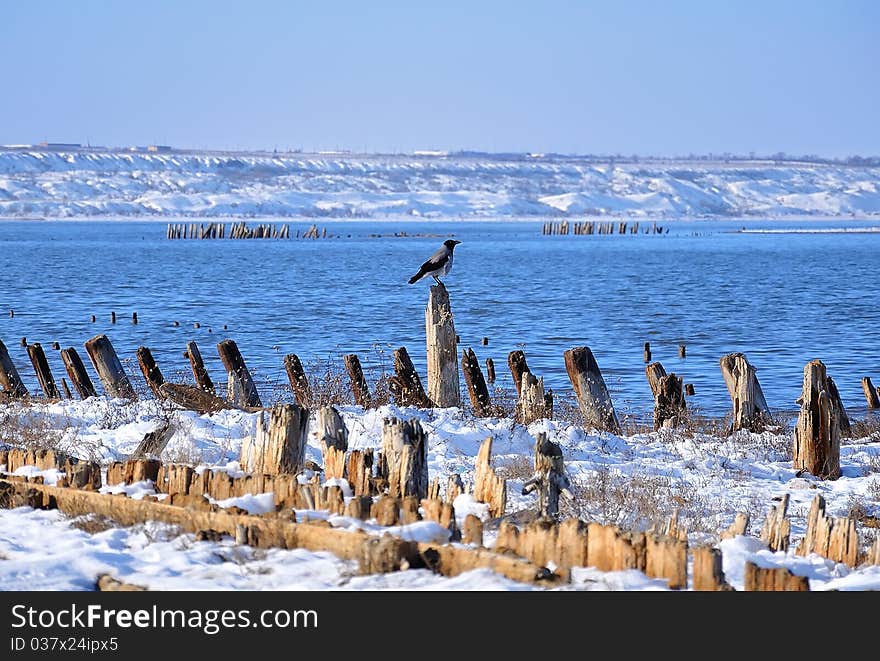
[
  {"x": 750, "y": 409},
  {"x": 44, "y": 374},
  {"x": 779, "y": 579},
  {"x": 708, "y": 575},
  {"x": 241, "y": 390},
  {"x": 817, "y": 433},
  {"x": 473, "y": 531},
  {"x": 359, "y": 468},
  {"x": 476, "y": 384},
  {"x": 299, "y": 382},
  {"x": 654, "y": 372},
  {"x": 152, "y": 373},
  {"x": 278, "y": 446},
  {"x": 689, "y": 389},
  {"x": 670, "y": 408},
  {"x": 9, "y": 378},
  {"x": 359, "y": 387},
  {"x": 532, "y": 403},
  {"x": 549, "y": 479},
  {"x": 870, "y": 393},
  {"x": 516, "y": 361},
  {"x": 77, "y": 373},
  {"x": 404, "y": 461},
  {"x": 776, "y": 531},
  {"x": 407, "y": 384},
  {"x": 589, "y": 388},
  {"x": 490, "y": 371},
  {"x": 834, "y": 538},
  {"x": 488, "y": 487},
  {"x": 682, "y": 351},
  {"x": 66, "y": 388},
  {"x": 647, "y": 352},
  {"x": 837, "y": 405},
  {"x": 443, "y": 384},
  {"x": 109, "y": 367},
  {"x": 203, "y": 379},
  {"x": 740, "y": 526},
  {"x": 154, "y": 442},
  {"x": 333, "y": 437}
]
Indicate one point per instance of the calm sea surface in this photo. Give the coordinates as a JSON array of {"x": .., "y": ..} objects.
[{"x": 781, "y": 298}]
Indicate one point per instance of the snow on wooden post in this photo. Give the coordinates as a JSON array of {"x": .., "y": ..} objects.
[
  {"x": 333, "y": 437},
  {"x": 670, "y": 408},
  {"x": 404, "y": 461},
  {"x": 299, "y": 382},
  {"x": 200, "y": 374},
  {"x": 77, "y": 373},
  {"x": 10, "y": 380},
  {"x": 516, "y": 361},
  {"x": 152, "y": 373},
  {"x": 476, "y": 384},
  {"x": 776, "y": 531},
  {"x": 817, "y": 433},
  {"x": 532, "y": 402},
  {"x": 488, "y": 487},
  {"x": 406, "y": 384},
  {"x": 750, "y": 410},
  {"x": 109, "y": 367},
  {"x": 589, "y": 388},
  {"x": 44, "y": 374},
  {"x": 549, "y": 479},
  {"x": 359, "y": 386},
  {"x": 708, "y": 576},
  {"x": 443, "y": 384},
  {"x": 779, "y": 579},
  {"x": 870, "y": 393},
  {"x": 278, "y": 446},
  {"x": 241, "y": 389}
]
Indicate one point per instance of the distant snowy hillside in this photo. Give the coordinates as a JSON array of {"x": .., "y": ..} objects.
[{"x": 113, "y": 183}]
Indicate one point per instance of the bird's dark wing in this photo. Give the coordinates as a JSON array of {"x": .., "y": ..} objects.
[{"x": 435, "y": 261}]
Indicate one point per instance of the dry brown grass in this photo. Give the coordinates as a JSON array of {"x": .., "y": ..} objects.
[{"x": 92, "y": 523}]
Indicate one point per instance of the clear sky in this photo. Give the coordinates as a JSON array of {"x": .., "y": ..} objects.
[{"x": 663, "y": 77}]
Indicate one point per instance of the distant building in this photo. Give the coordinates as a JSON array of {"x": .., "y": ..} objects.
[
  {"x": 158, "y": 148},
  {"x": 60, "y": 145}
]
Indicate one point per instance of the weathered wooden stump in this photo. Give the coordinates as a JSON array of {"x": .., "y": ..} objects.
[
  {"x": 759, "y": 579},
  {"x": 443, "y": 384},
  {"x": 488, "y": 487},
  {"x": 516, "y": 361},
  {"x": 9, "y": 377},
  {"x": 592, "y": 395},
  {"x": 200, "y": 373},
  {"x": 404, "y": 461},
  {"x": 837, "y": 404},
  {"x": 359, "y": 468},
  {"x": 473, "y": 531},
  {"x": 654, "y": 372},
  {"x": 833, "y": 538},
  {"x": 109, "y": 368},
  {"x": 149, "y": 368},
  {"x": 490, "y": 371},
  {"x": 241, "y": 390},
  {"x": 670, "y": 408},
  {"x": 549, "y": 479},
  {"x": 870, "y": 393},
  {"x": 299, "y": 382},
  {"x": 647, "y": 352},
  {"x": 77, "y": 373},
  {"x": 707, "y": 572},
  {"x": 750, "y": 410},
  {"x": 359, "y": 387},
  {"x": 476, "y": 384},
  {"x": 406, "y": 386},
  {"x": 817, "y": 433},
  {"x": 740, "y": 526},
  {"x": 333, "y": 437},
  {"x": 44, "y": 374},
  {"x": 776, "y": 531},
  {"x": 532, "y": 403},
  {"x": 278, "y": 446}
]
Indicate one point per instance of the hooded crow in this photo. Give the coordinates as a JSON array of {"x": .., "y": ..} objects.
[{"x": 439, "y": 264}]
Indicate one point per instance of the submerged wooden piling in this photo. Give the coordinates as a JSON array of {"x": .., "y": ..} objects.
[
  {"x": 44, "y": 374},
  {"x": 443, "y": 384},
  {"x": 299, "y": 383},
  {"x": 77, "y": 373},
  {"x": 109, "y": 368},
  {"x": 241, "y": 388},
  {"x": 817, "y": 432},
  {"x": 592, "y": 394},
  {"x": 10, "y": 380}
]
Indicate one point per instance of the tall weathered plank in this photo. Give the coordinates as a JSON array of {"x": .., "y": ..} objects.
[
  {"x": 44, "y": 374},
  {"x": 516, "y": 361},
  {"x": 404, "y": 461},
  {"x": 443, "y": 384},
  {"x": 817, "y": 432},
  {"x": 333, "y": 437}
]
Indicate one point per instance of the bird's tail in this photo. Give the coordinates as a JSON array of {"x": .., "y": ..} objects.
[{"x": 416, "y": 277}]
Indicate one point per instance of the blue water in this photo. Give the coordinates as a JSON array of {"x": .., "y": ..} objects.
[{"x": 783, "y": 299}]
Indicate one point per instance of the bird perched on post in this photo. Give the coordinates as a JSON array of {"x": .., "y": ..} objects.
[{"x": 440, "y": 263}]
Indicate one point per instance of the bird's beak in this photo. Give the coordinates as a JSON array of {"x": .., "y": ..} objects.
[{"x": 456, "y": 242}]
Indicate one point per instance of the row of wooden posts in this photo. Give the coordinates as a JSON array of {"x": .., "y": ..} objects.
[
  {"x": 239, "y": 230},
  {"x": 821, "y": 421},
  {"x": 554, "y": 228}
]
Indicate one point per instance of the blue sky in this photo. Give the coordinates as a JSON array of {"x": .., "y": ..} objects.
[{"x": 670, "y": 77}]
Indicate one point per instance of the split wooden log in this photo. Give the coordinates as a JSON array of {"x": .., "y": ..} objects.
[
  {"x": 278, "y": 446},
  {"x": 837, "y": 404},
  {"x": 404, "y": 461},
  {"x": 654, "y": 372},
  {"x": 516, "y": 361},
  {"x": 740, "y": 526},
  {"x": 750, "y": 410},
  {"x": 200, "y": 373},
  {"x": 333, "y": 437},
  {"x": 666, "y": 557},
  {"x": 359, "y": 469},
  {"x": 149, "y": 368},
  {"x": 817, "y": 433},
  {"x": 359, "y": 386},
  {"x": 476, "y": 384},
  {"x": 77, "y": 373},
  {"x": 44, "y": 374},
  {"x": 779, "y": 579},
  {"x": 777, "y": 529},
  {"x": 443, "y": 384},
  {"x": 241, "y": 388},
  {"x": 708, "y": 575},
  {"x": 532, "y": 402},
  {"x": 9, "y": 378},
  {"x": 407, "y": 386},
  {"x": 833, "y": 538},
  {"x": 299, "y": 382},
  {"x": 490, "y": 371},
  {"x": 193, "y": 398},
  {"x": 592, "y": 395},
  {"x": 549, "y": 479},
  {"x": 154, "y": 442},
  {"x": 109, "y": 368},
  {"x": 488, "y": 487},
  {"x": 869, "y": 390},
  {"x": 670, "y": 408}
]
